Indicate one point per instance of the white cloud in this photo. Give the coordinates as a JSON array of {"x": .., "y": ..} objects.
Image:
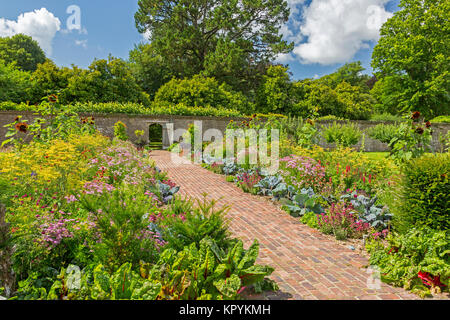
[
  {"x": 290, "y": 30},
  {"x": 81, "y": 43},
  {"x": 338, "y": 29},
  {"x": 146, "y": 35},
  {"x": 40, "y": 24},
  {"x": 82, "y": 31}
]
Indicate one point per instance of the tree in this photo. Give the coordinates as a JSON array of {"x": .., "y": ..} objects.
[
  {"x": 231, "y": 40},
  {"x": 105, "y": 81},
  {"x": 315, "y": 98},
  {"x": 50, "y": 79},
  {"x": 16, "y": 85},
  {"x": 275, "y": 94},
  {"x": 21, "y": 50},
  {"x": 412, "y": 53},
  {"x": 351, "y": 73},
  {"x": 149, "y": 68},
  {"x": 200, "y": 91}
]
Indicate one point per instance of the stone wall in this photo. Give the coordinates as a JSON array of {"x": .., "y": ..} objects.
[{"x": 105, "y": 124}]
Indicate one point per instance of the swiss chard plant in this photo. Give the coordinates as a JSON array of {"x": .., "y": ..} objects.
[
  {"x": 207, "y": 272},
  {"x": 418, "y": 260}
]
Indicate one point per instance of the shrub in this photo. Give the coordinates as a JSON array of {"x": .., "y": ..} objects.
[
  {"x": 424, "y": 193},
  {"x": 441, "y": 119},
  {"x": 310, "y": 219},
  {"x": 155, "y": 108},
  {"x": 418, "y": 260},
  {"x": 385, "y": 117},
  {"x": 343, "y": 134},
  {"x": 330, "y": 118},
  {"x": 120, "y": 131},
  {"x": 194, "y": 223},
  {"x": 412, "y": 138},
  {"x": 202, "y": 91},
  {"x": 342, "y": 222},
  {"x": 383, "y": 132}
]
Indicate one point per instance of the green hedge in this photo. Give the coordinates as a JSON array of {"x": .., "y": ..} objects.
[
  {"x": 135, "y": 108},
  {"x": 424, "y": 194},
  {"x": 441, "y": 119}
]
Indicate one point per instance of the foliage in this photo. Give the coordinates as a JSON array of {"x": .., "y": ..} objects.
[
  {"x": 310, "y": 219},
  {"x": 383, "y": 132},
  {"x": 423, "y": 193},
  {"x": 268, "y": 184},
  {"x": 120, "y": 131},
  {"x": 350, "y": 73},
  {"x": 303, "y": 202},
  {"x": 411, "y": 58},
  {"x": 341, "y": 221},
  {"x": 378, "y": 217},
  {"x": 206, "y": 271},
  {"x": 218, "y": 38},
  {"x": 202, "y": 272},
  {"x": 414, "y": 255},
  {"x": 92, "y": 283},
  {"x": 441, "y": 119},
  {"x": 385, "y": 117},
  {"x": 52, "y": 122},
  {"x": 21, "y": 50},
  {"x": 412, "y": 139},
  {"x": 49, "y": 78},
  {"x": 200, "y": 91},
  {"x": 105, "y": 81},
  {"x": 149, "y": 68},
  {"x": 122, "y": 229},
  {"x": 187, "y": 224},
  {"x": 346, "y": 135},
  {"x": 16, "y": 85},
  {"x": 275, "y": 93},
  {"x": 343, "y": 94}
]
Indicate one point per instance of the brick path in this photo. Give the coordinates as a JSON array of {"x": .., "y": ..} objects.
[{"x": 308, "y": 265}]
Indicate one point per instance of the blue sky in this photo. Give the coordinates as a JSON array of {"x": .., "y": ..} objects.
[{"x": 327, "y": 33}]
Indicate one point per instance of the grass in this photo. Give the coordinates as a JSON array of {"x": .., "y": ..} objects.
[
  {"x": 377, "y": 155},
  {"x": 155, "y": 145}
]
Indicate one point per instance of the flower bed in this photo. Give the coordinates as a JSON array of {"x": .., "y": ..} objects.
[
  {"x": 89, "y": 218},
  {"x": 345, "y": 194}
]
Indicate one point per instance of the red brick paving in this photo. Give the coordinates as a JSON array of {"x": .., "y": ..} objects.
[{"x": 307, "y": 264}]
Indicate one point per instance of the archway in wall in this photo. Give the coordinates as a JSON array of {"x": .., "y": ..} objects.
[{"x": 155, "y": 136}]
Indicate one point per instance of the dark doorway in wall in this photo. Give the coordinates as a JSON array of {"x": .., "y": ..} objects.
[{"x": 155, "y": 136}]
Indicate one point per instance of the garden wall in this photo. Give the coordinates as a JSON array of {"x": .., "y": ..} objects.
[{"x": 105, "y": 123}]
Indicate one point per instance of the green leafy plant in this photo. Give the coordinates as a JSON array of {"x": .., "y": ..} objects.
[
  {"x": 412, "y": 139},
  {"x": 383, "y": 132},
  {"x": 418, "y": 260},
  {"x": 123, "y": 233},
  {"x": 346, "y": 135},
  {"x": 120, "y": 131},
  {"x": 310, "y": 219},
  {"x": 378, "y": 217},
  {"x": 92, "y": 283},
  {"x": 423, "y": 193},
  {"x": 304, "y": 201},
  {"x": 195, "y": 223},
  {"x": 140, "y": 140},
  {"x": 208, "y": 272}
]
